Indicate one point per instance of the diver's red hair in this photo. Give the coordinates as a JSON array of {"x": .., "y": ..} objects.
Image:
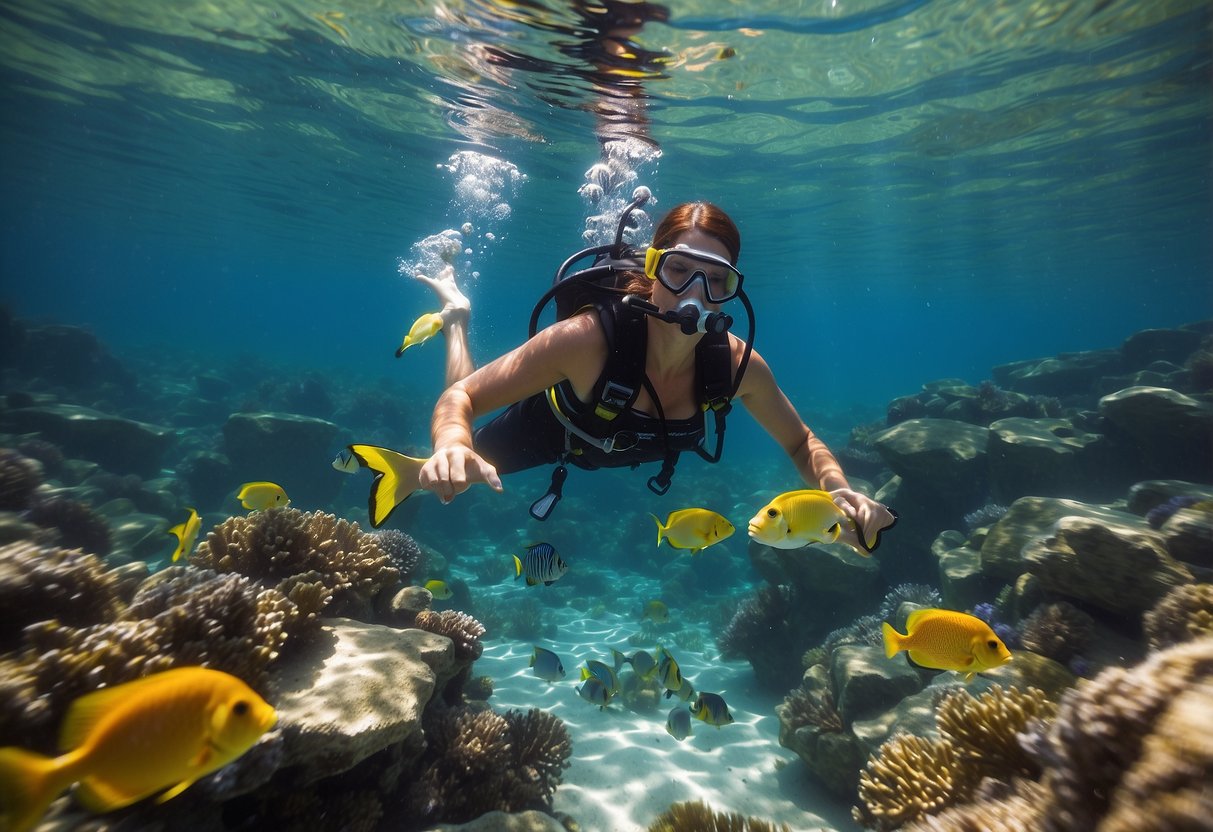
[{"x": 689, "y": 216}]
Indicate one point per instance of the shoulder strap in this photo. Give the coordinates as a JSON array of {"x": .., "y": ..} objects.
[
  {"x": 620, "y": 382},
  {"x": 714, "y": 375}
]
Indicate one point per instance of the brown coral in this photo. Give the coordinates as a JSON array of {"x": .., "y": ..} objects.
[
  {"x": 1102, "y": 727},
  {"x": 479, "y": 761},
  {"x": 459, "y": 627},
  {"x": 279, "y": 544},
  {"x": 1017, "y": 812},
  {"x": 37, "y": 584},
  {"x": 189, "y": 617},
  {"x": 1183, "y": 614},
  {"x": 984, "y": 729},
  {"x": 20, "y": 477},
  {"x": 697, "y": 816},
  {"x": 801, "y": 708},
  {"x": 1058, "y": 631},
  {"x": 78, "y": 525},
  {"x": 907, "y": 778}
]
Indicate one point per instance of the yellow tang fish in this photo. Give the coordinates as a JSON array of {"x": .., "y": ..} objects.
[
  {"x": 396, "y": 478},
  {"x": 439, "y": 589},
  {"x": 137, "y": 739},
  {"x": 692, "y": 528},
  {"x": 422, "y": 330},
  {"x": 186, "y": 534},
  {"x": 947, "y": 640},
  {"x": 258, "y": 496},
  {"x": 798, "y": 518}
]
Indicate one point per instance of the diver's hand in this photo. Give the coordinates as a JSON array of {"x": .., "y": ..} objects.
[
  {"x": 866, "y": 514},
  {"x": 451, "y": 470},
  {"x": 456, "y": 306}
]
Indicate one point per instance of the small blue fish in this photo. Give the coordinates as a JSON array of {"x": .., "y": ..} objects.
[
  {"x": 594, "y": 691},
  {"x": 678, "y": 724},
  {"x": 547, "y": 665},
  {"x": 598, "y": 670}
]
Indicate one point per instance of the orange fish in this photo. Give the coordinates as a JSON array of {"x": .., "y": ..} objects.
[
  {"x": 947, "y": 640},
  {"x": 128, "y": 742}
]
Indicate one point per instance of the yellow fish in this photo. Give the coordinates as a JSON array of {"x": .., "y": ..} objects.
[
  {"x": 712, "y": 709},
  {"x": 692, "y": 528},
  {"x": 439, "y": 589},
  {"x": 258, "y": 496},
  {"x": 947, "y": 640},
  {"x": 422, "y": 330},
  {"x": 655, "y": 611},
  {"x": 396, "y": 478},
  {"x": 186, "y": 533},
  {"x": 798, "y": 518},
  {"x": 131, "y": 741}
]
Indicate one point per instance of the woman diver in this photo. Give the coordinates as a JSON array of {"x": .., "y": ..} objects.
[{"x": 568, "y": 398}]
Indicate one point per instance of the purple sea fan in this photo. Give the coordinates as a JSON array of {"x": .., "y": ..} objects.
[
  {"x": 1162, "y": 512},
  {"x": 985, "y": 611}
]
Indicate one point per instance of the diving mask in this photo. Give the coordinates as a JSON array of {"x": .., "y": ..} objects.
[{"x": 677, "y": 268}]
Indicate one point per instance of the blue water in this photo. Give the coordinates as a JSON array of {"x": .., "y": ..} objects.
[{"x": 925, "y": 189}]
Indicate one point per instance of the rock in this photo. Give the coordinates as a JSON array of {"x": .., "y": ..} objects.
[
  {"x": 129, "y": 577},
  {"x": 1064, "y": 375},
  {"x": 835, "y": 758},
  {"x": 950, "y": 457},
  {"x": 290, "y": 450},
  {"x": 867, "y": 682},
  {"x": 120, "y": 445},
  {"x": 404, "y": 605},
  {"x": 355, "y": 689},
  {"x": 1171, "y": 434},
  {"x": 833, "y": 576},
  {"x": 142, "y": 536},
  {"x": 1028, "y": 669},
  {"x": 1149, "y": 345},
  {"x": 210, "y": 478},
  {"x": 961, "y": 581},
  {"x": 72, "y": 357},
  {"x": 1048, "y": 458},
  {"x": 1144, "y": 496},
  {"x": 1188, "y": 536},
  {"x": 1120, "y": 567},
  {"x": 1031, "y": 517},
  {"x": 914, "y": 714}
]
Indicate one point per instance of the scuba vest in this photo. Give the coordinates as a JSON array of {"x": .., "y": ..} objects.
[{"x": 602, "y": 431}]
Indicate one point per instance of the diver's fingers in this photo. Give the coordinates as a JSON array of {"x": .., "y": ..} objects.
[
  {"x": 489, "y": 475},
  {"x": 435, "y": 477}
]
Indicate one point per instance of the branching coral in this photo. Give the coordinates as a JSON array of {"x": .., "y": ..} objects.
[
  {"x": 78, "y": 525},
  {"x": 864, "y": 631},
  {"x": 1183, "y": 614},
  {"x": 1017, "y": 812},
  {"x": 697, "y": 816},
  {"x": 801, "y": 708},
  {"x": 20, "y": 476},
  {"x": 983, "y": 729},
  {"x": 46, "y": 453},
  {"x": 1102, "y": 727},
  {"x": 910, "y": 777},
  {"x": 480, "y": 761},
  {"x": 37, "y": 584},
  {"x": 920, "y": 594},
  {"x": 987, "y": 515},
  {"x": 1057, "y": 631},
  {"x": 280, "y": 544},
  {"x": 459, "y": 627}
]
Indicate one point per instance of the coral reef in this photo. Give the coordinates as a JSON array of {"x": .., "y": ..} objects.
[
  {"x": 983, "y": 729},
  {"x": 1162, "y": 512},
  {"x": 186, "y": 617},
  {"x": 1183, "y": 614},
  {"x": 403, "y": 553},
  {"x": 1015, "y": 812},
  {"x": 459, "y": 627},
  {"x": 697, "y": 816},
  {"x": 760, "y": 631},
  {"x": 281, "y": 544},
  {"x": 37, "y": 584},
  {"x": 1103, "y": 729},
  {"x": 987, "y": 515},
  {"x": 20, "y": 477},
  {"x": 46, "y": 453},
  {"x": 79, "y": 527},
  {"x": 1059, "y": 631},
  {"x": 480, "y": 761},
  {"x": 803, "y": 708},
  {"x": 910, "y": 777},
  {"x": 920, "y": 594},
  {"x": 864, "y": 631}
]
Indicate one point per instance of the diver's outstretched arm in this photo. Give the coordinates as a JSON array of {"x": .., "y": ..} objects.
[{"x": 456, "y": 311}]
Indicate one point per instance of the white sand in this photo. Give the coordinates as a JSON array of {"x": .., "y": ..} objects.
[{"x": 626, "y": 770}]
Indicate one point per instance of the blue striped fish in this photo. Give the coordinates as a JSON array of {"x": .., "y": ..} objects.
[{"x": 541, "y": 565}]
